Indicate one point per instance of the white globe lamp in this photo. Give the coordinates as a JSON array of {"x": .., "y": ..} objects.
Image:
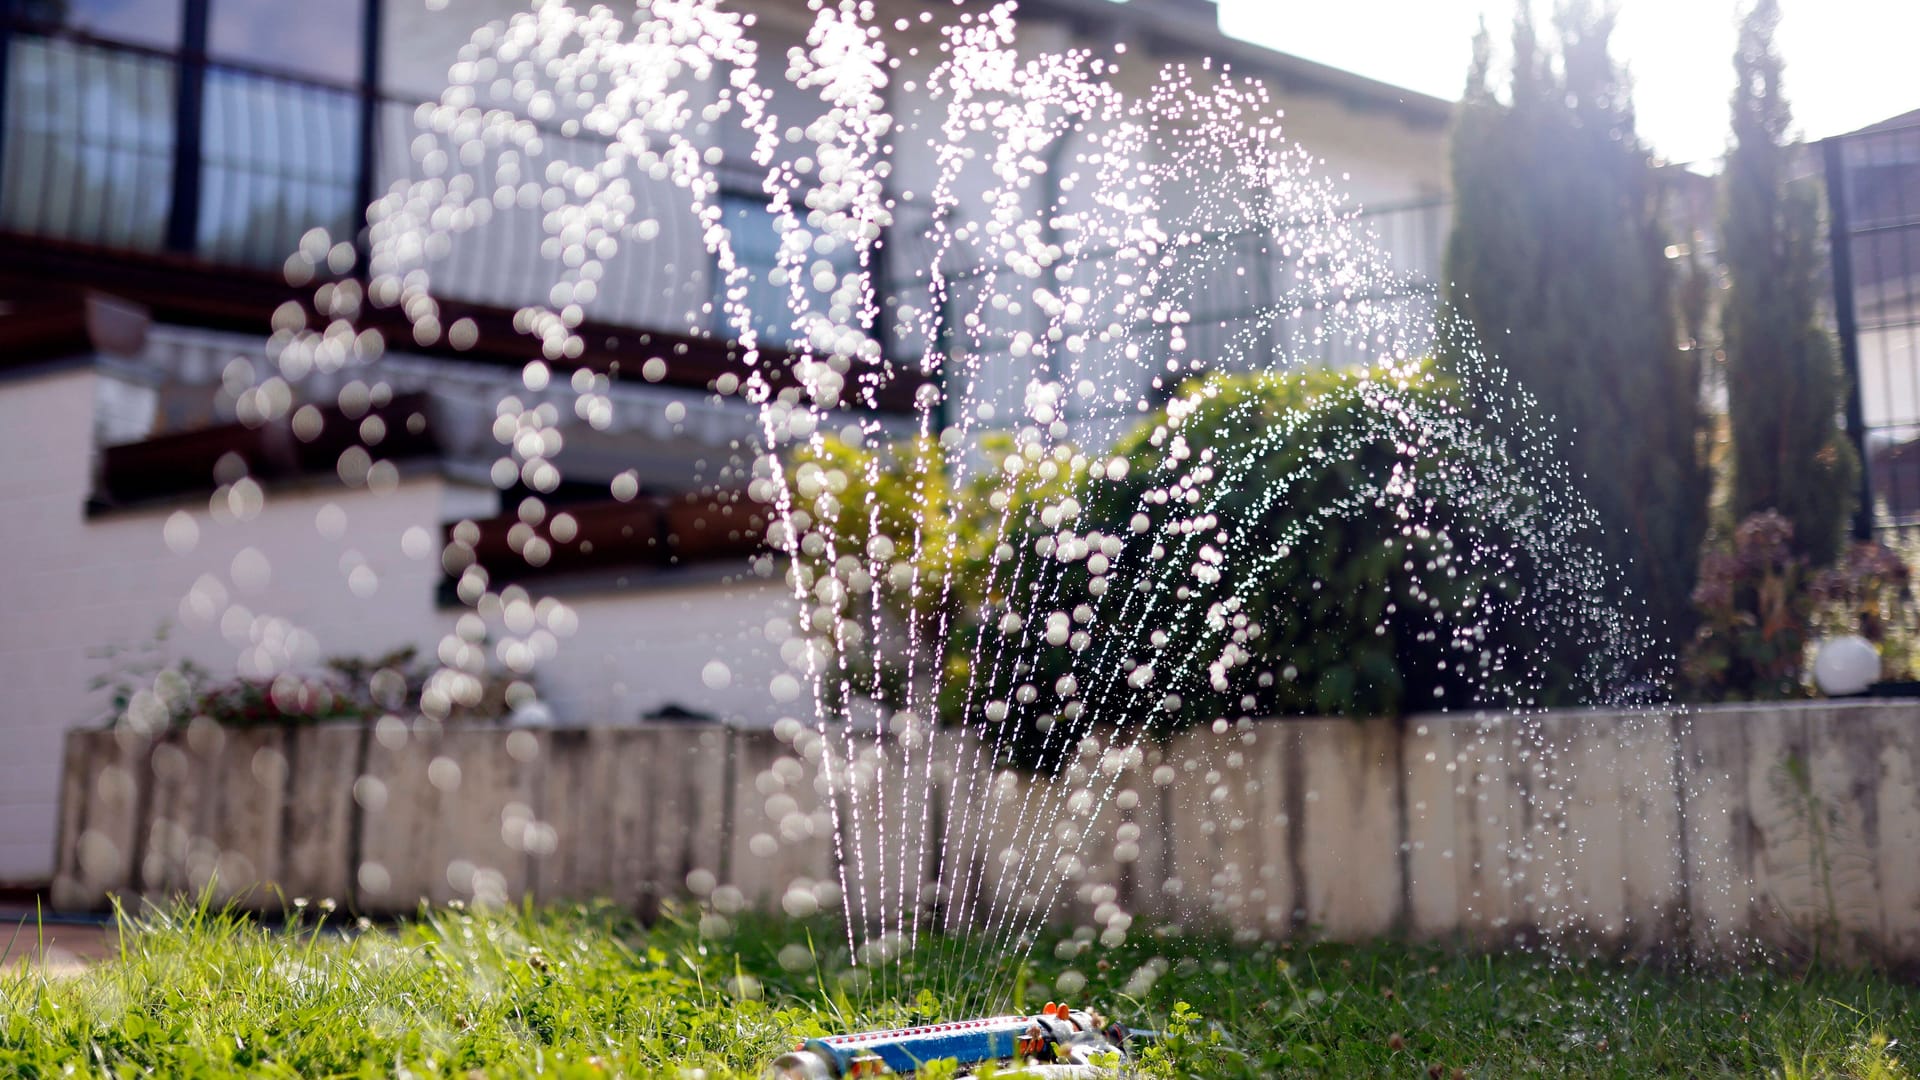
[
  {"x": 531, "y": 713},
  {"x": 1845, "y": 666}
]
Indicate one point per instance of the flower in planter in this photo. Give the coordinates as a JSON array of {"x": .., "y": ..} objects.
[{"x": 1755, "y": 609}]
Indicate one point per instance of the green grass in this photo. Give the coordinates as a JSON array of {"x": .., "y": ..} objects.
[{"x": 592, "y": 994}]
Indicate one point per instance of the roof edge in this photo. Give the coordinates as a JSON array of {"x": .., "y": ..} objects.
[{"x": 1293, "y": 72}]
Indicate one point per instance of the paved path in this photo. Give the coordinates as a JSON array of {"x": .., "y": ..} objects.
[{"x": 57, "y": 947}]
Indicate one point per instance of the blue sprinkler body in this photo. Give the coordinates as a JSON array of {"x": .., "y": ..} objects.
[{"x": 1058, "y": 1036}]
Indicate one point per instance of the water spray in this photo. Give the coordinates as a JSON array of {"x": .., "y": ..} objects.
[{"x": 1061, "y": 1043}]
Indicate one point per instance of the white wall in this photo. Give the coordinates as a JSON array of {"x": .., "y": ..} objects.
[
  {"x": 1375, "y": 156},
  {"x": 638, "y": 651},
  {"x": 73, "y": 586},
  {"x": 76, "y": 586}
]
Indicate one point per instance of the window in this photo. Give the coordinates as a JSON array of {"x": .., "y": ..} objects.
[
  {"x": 89, "y": 146},
  {"x": 755, "y": 240},
  {"x": 92, "y": 127},
  {"x": 279, "y": 155},
  {"x": 277, "y": 158}
]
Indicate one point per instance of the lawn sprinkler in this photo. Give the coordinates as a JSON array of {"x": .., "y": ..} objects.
[{"x": 1061, "y": 1043}]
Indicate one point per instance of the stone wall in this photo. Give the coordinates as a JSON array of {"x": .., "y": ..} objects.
[{"x": 1787, "y": 827}]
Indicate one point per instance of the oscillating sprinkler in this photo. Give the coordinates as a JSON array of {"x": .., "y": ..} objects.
[{"x": 1061, "y": 1043}]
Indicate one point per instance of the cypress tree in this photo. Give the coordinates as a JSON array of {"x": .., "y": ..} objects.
[
  {"x": 1557, "y": 260},
  {"x": 1784, "y": 382}
]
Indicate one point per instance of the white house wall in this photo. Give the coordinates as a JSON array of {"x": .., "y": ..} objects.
[
  {"x": 637, "y": 652},
  {"x": 81, "y": 585}
]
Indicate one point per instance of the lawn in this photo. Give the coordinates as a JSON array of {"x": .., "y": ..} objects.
[{"x": 593, "y": 994}]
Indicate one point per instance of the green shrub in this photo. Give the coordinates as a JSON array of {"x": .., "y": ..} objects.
[
  {"x": 1312, "y": 542},
  {"x": 1392, "y": 556}
]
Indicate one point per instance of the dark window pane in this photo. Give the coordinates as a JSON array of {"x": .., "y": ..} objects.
[
  {"x": 89, "y": 148},
  {"x": 146, "y": 22},
  {"x": 321, "y": 40},
  {"x": 277, "y": 158}
]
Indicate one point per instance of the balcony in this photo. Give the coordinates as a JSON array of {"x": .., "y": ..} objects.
[
  {"x": 184, "y": 180},
  {"x": 184, "y": 177}
]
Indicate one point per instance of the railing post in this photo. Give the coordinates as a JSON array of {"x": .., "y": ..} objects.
[
  {"x": 364, "y": 176},
  {"x": 1840, "y": 250},
  {"x": 183, "y": 217},
  {"x": 7, "y": 14}
]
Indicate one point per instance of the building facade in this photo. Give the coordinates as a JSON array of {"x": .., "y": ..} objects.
[{"x": 175, "y": 173}]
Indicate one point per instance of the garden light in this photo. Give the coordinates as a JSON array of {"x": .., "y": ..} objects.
[{"x": 1845, "y": 666}]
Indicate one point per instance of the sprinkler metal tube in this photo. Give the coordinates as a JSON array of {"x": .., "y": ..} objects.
[{"x": 1063, "y": 1041}]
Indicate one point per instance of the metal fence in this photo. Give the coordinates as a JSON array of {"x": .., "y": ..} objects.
[{"x": 1873, "y": 194}]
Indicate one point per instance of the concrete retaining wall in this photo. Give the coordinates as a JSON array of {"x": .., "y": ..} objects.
[{"x": 1789, "y": 827}]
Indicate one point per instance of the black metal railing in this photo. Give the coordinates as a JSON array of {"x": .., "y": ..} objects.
[
  {"x": 100, "y": 146},
  {"x": 1873, "y": 197}
]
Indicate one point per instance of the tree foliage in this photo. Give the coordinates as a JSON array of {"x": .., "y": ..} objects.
[
  {"x": 1393, "y": 559},
  {"x": 1784, "y": 382},
  {"x": 1557, "y": 259}
]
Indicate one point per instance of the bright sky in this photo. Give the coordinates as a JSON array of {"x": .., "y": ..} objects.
[{"x": 1849, "y": 62}]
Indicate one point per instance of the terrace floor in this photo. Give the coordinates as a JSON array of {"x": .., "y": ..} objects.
[{"x": 62, "y": 944}]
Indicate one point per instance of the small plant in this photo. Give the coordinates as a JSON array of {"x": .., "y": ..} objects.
[
  {"x": 1161, "y": 1057},
  {"x": 1869, "y": 1059},
  {"x": 942, "y": 1069},
  {"x": 1837, "y": 869},
  {"x": 142, "y": 673},
  {"x": 1819, "y": 820},
  {"x": 152, "y": 694},
  {"x": 1756, "y": 610},
  {"x": 1870, "y": 593}
]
